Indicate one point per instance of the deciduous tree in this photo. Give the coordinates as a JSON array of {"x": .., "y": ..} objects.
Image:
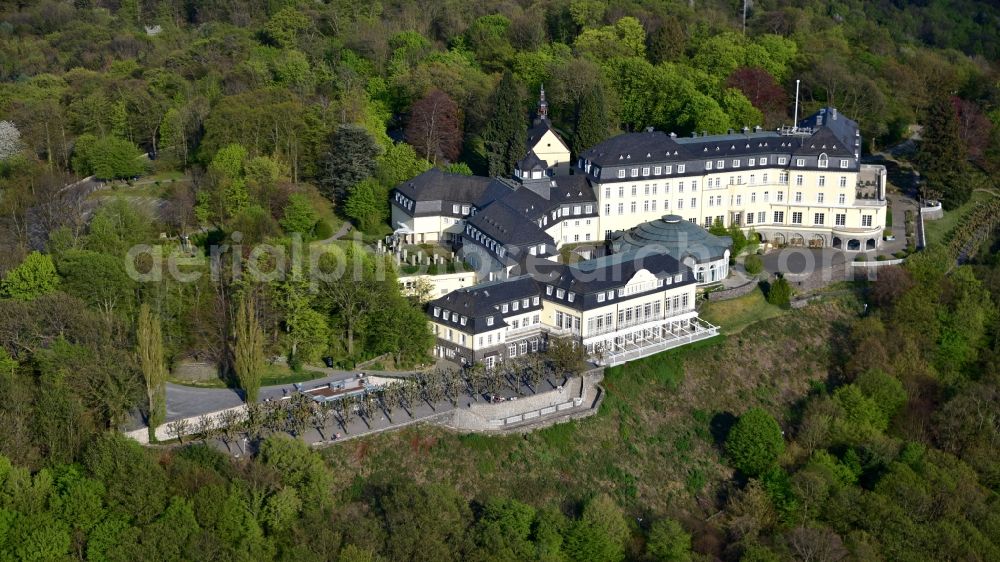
[
  {"x": 434, "y": 127},
  {"x": 755, "y": 442},
  {"x": 149, "y": 349}
]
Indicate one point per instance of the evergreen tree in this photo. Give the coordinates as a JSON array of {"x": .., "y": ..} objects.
[
  {"x": 149, "y": 348},
  {"x": 942, "y": 157},
  {"x": 249, "y": 351},
  {"x": 591, "y": 120},
  {"x": 353, "y": 156},
  {"x": 505, "y": 132},
  {"x": 35, "y": 277}
]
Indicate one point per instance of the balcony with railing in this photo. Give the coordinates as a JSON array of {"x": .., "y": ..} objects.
[{"x": 640, "y": 321}]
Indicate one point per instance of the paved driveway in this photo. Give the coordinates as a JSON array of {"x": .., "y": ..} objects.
[{"x": 803, "y": 260}]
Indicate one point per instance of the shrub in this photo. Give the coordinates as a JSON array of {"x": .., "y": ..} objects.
[
  {"x": 323, "y": 230},
  {"x": 780, "y": 293},
  {"x": 755, "y": 442},
  {"x": 753, "y": 264}
]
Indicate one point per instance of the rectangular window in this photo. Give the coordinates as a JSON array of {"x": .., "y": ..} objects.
[
  {"x": 694, "y": 202},
  {"x": 669, "y": 169},
  {"x": 646, "y": 189},
  {"x": 766, "y": 196},
  {"x": 753, "y": 162},
  {"x": 645, "y": 206},
  {"x": 819, "y": 197},
  {"x": 764, "y": 179},
  {"x": 621, "y": 173},
  {"x": 779, "y": 217},
  {"x": 489, "y": 320},
  {"x": 866, "y": 221},
  {"x": 708, "y": 221},
  {"x": 822, "y": 181},
  {"x": 657, "y": 170},
  {"x": 781, "y": 196},
  {"x": 534, "y": 301},
  {"x": 735, "y": 163},
  {"x": 503, "y": 308},
  {"x": 548, "y": 290},
  {"x": 589, "y": 209},
  {"x": 753, "y": 197},
  {"x": 819, "y": 218},
  {"x": 796, "y": 218},
  {"x": 783, "y": 177},
  {"x": 841, "y": 199},
  {"x": 621, "y": 208},
  {"x": 600, "y": 297},
  {"x": 845, "y": 163},
  {"x": 607, "y": 210},
  {"x": 607, "y": 192},
  {"x": 680, "y": 203},
  {"x": 843, "y": 181},
  {"x": 749, "y": 218},
  {"x": 840, "y": 219},
  {"x": 720, "y": 164},
  {"x": 653, "y": 204},
  {"x": 560, "y": 293},
  {"x": 800, "y": 161},
  {"x": 694, "y": 185},
  {"x": 708, "y": 165},
  {"x": 634, "y": 188},
  {"x": 798, "y": 179},
  {"x": 633, "y": 207},
  {"x": 680, "y": 168},
  {"x": 621, "y": 191},
  {"x": 798, "y": 196},
  {"x": 512, "y": 350},
  {"x": 645, "y": 171},
  {"x": 455, "y": 209},
  {"x": 753, "y": 179},
  {"x": 635, "y": 172},
  {"x": 782, "y": 160}
]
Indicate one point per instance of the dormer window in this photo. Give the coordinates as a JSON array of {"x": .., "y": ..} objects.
[
  {"x": 455, "y": 209},
  {"x": 669, "y": 169},
  {"x": 824, "y": 161},
  {"x": 515, "y": 306},
  {"x": 800, "y": 161},
  {"x": 463, "y": 320},
  {"x": 657, "y": 170},
  {"x": 635, "y": 172},
  {"x": 720, "y": 164},
  {"x": 548, "y": 290},
  {"x": 489, "y": 320},
  {"x": 736, "y": 163},
  {"x": 708, "y": 165},
  {"x": 534, "y": 301},
  {"x": 845, "y": 163},
  {"x": 645, "y": 171},
  {"x": 437, "y": 311},
  {"x": 782, "y": 160},
  {"x": 680, "y": 168},
  {"x": 503, "y": 308},
  {"x": 611, "y": 295},
  {"x": 621, "y": 173},
  {"x": 571, "y": 296},
  {"x": 560, "y": 293}
]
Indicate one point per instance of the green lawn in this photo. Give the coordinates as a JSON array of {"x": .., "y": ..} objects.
[
  {"x": 936, "y": 230},
  {"x": 273, "y": 375},
  {"x": 734, "y": 315}
]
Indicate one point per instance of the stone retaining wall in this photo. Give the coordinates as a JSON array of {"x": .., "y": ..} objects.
[{"x": 726, "y": 294}]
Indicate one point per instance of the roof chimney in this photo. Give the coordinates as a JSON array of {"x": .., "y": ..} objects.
[
  {"x": 746, "y": 129},
  {"x": 673, "y": 135},
  {"x": 757, "y": 128}
]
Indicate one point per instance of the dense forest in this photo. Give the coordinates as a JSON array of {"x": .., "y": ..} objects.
[{"x": 288, "y": 121}]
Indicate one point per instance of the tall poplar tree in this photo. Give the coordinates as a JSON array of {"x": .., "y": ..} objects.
[
  {"x": 249, "y": 351},
  {"x": 149, "y": 348},
  {"x": 505, "y": 132},
  {"x": 943, "y": 158}
]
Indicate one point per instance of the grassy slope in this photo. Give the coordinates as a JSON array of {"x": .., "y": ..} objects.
[
  {"x": 936, "y": 230},
  {"x": 651, "y": 445},
  {"x": 736, "y": 314}
]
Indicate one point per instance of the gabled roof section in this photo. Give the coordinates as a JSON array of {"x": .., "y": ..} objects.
[
  {"x": 820, "y": 142},
  {"x": 437, "y": 185},
  {"x": 844, "y": 129},
  {"x": 508, "y": 226},
  {"x": 610, "y": 272},
  {"x": 532, "y": 162},
  {"x": 538, "y": 129},
  {"x": 481, "y": 302},
  {"x": 634, "y": 148}
]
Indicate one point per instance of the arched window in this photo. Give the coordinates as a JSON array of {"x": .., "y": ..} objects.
[{"x": 823, "y": 160}]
